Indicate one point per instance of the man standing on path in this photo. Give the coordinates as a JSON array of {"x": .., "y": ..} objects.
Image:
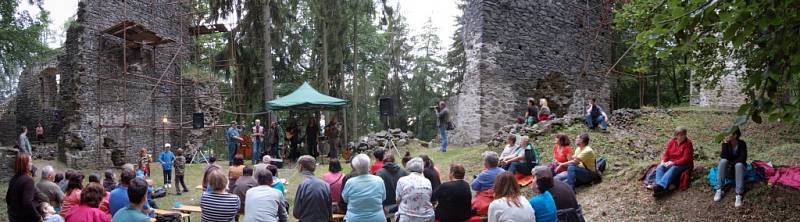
[
  {"x": 442, "y": 120},
  {"x": 24, "y": 143},
  {"x": 258, "y": 141},
  {"x": 232, "y": 139}
]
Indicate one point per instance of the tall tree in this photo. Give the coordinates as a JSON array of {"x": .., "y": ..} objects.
[
  {"x": 20, "y": 40},
  {"x": 456, "y": 56}
]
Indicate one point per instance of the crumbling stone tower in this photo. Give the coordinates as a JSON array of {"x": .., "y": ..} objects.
[{"x": 515, "y": 49}]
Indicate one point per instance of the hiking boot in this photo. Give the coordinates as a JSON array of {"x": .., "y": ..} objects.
[
  {"x": 718, "y": 195},
  {"x": 738, "y": 201},
  {"x": 657, "y": 190}
]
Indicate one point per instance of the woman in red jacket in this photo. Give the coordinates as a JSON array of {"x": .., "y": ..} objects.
[{"x": 676, "y": 159}]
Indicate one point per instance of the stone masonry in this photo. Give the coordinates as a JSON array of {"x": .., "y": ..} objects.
[
  {"x": 727, "y": 93},
  {"x": 517, "y": 49}
]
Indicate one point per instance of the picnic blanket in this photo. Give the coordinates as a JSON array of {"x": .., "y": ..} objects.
[
  {"x": 789, "y": 176},
  {"x": 750, "y": 172},
  {"x": 523, "y": 180}
]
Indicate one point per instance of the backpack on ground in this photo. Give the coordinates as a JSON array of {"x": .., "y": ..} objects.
[{"x": 601, "y": 164}]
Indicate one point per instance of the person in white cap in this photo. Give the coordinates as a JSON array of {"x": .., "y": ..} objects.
[{"x": 166, "y": 159}]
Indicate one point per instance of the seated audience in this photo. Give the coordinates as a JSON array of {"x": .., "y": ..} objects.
[
  {"x": 677, "y": 158},
  {"x": 483, "y": 184},
  {"x": 516, "y": 162},
  {"x": 312, "y": 201},
  {"x": 509, "y": 205},
  {"x": 244, "y": 183},
  {"x": 544, "y": 110},
  {"x": 567, "y": 205},
  {"x": 364, "y": 193},
  {"x": 334, "y": 178},
  {"x": 390, "y": 174},
  {"x": 277, "y": 182},
  {"x": 88, "y": 209},
  {"x": 542, "y": 201},
  {"x": 72, "y": 197},
  {"x": 21, "y": 195},
  {"x": 453, "y": 198},
  {"x": 582, "y": 168},
  {"x": 596, "y": 116},
  {"x": 265, "y": 160},
  {"x": 734, "y": 156},
  {"x": 379, "y": 155},
  {"x": 50, "y": 214},
  {"x": 236, "y": 170},
  {"x": 212, "y": 165},
  {"x": 218, "y": 205},
  {"x": 531, "y": 113},
  {"x": 264, "y": 203},
  {"x": 108, "y": 181},
  {"x": 562, "y": 152},
  {"x": 406, "y": 157},
  {"x": 414, "y": 194},
  {"x": 136, "y": 193},
  {"x": 431, "y": 173},
  {"x": 119, "y": 198},
  {"x": 61, "y": 181},
  {"x": 50, "y": 190},
  {"x": 508, "y": 151}
]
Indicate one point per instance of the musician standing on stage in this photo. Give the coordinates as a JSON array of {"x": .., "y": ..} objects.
[
  {"x": 258, "y": 141},
  {"x": 332, "y": 135},
  {"x": 232, "y": 138},
  {"x": 276, "y": 140}
]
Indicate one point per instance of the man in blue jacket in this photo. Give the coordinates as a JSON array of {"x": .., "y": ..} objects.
[{"x": 166, "y": 159}]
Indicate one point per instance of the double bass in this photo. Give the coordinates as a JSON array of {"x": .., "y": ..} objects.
[{"x": 245, "y": 147}]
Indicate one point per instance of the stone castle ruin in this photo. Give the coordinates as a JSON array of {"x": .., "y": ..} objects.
[
  {"x": 515, "y": 49},
  {"x": 117, "y": 87}
]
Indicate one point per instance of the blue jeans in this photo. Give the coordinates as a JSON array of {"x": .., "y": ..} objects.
[
  {"x": 257, "y": 150},
  {"x": 665, "y": 176},
  {"x": 443, "y": 135},
  {"x": 231, "y": 151},
  {"x": 577, "y": 175},
  {"x": 600, "y": 120},
  {"x": 515, "y": 166},
  {"x": 739, "y": 174}
]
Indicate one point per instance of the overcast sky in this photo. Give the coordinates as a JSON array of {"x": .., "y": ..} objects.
[{"x": 417, "y": 12}]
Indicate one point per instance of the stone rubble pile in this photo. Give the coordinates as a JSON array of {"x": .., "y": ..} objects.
[
  {"x": 382, "y": 138},
  {"x": 535, "y": 130},
  {"x": 626, "y": 116}
]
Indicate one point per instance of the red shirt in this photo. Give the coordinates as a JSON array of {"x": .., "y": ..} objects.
[
  {"x": 562, "y": 156},
  {"x": 376, "y": 166},
  {"x": 679, "y": 154}
]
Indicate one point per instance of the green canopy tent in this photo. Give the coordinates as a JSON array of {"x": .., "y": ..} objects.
[{"x": 306, "y": 97}]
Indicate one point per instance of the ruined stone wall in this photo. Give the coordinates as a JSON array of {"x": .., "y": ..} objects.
[
  {"x": 37, "y": 99},
  {"x": 92, "y": 97},
  {"x": 727, "y": 93},
  {"x": 517, "y": 49}
]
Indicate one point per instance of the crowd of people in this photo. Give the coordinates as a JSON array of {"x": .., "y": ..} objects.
[{"x": 411, "y": 190}]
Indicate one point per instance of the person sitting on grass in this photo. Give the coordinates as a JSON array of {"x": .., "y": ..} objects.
[
  {"x": 277, "y": 183},
  {"x": 212, "y": 165},
  {"x": 734, "y": 153},
  {"x": 453, "y": 198},
  {"x": 94, "y": 178},
  {"x": 88, "y": 210},
  {"x": 509, "y": 205},
  {"x": 483, "y": 184},
  {"x": 312, "y": 201},
  {"x": 596, "y": 116},
  {"x": 542, "y": 201},
  {"x": 264, "y": 203},
  {"x": 508, "y": 150},
  {"x": 236, "y": 170},
  {"x": 544, "y": 110},
  {"x": 119, "y": 198},
  {"x": 562, "y": 152},
  {"x": 379, "y": 154},
  {"x": 136, "y": 193},
  {"x": 582, "y": 168},
  {"x": 676, "y": 159},
  {"x": 363, "y": 193},
  {"x": 431, "y": 172},
  {"x": 516, "y": 162},
  {"x": 218, "y": 205}
]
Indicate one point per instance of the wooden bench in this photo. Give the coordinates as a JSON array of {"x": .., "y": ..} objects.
[
  {"x": 188, "y": 209},
  {"x": 337, "y": 217}
]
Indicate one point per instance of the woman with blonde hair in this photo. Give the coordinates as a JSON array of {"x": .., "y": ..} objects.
[
  {"x": 218, "y": 205},
  {"x": 544, "y": 110},
  {"x": 509, "y": 204}
]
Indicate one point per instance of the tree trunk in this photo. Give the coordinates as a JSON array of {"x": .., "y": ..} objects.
[
  {"x": 324, "y": 29},
  {"x": 268, "y": 91},
  {"x": 354, "y": 110}
]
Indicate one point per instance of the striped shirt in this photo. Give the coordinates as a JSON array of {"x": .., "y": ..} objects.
[{"x": 219, "y": 207}]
